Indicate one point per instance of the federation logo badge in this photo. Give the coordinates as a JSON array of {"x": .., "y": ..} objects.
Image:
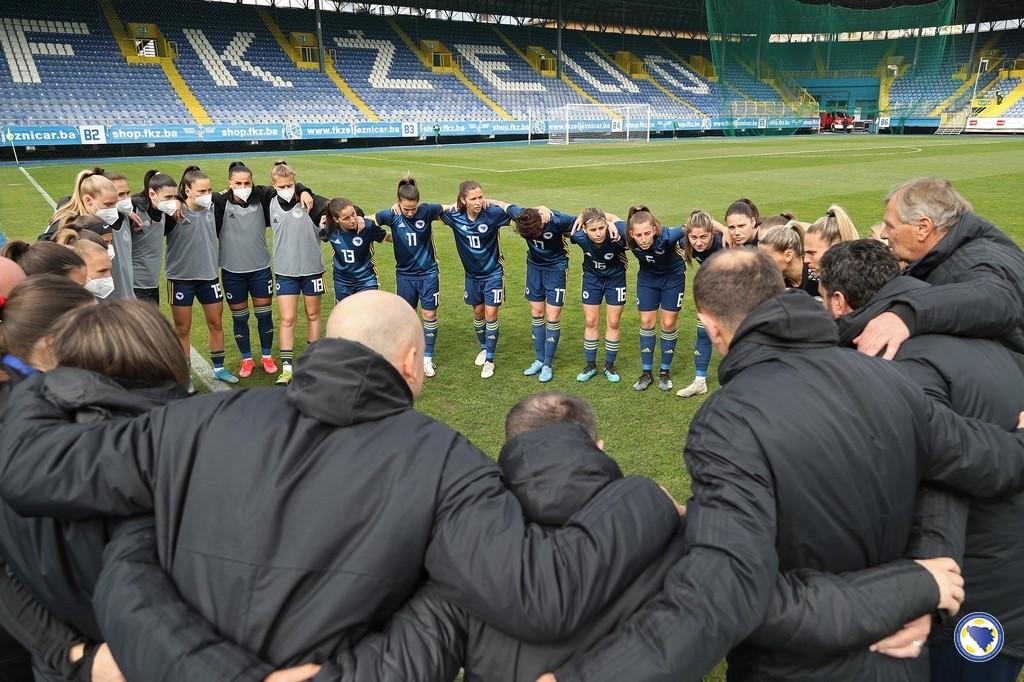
[
  {"x": 978, "y": 637},
  {"x": 481, "y": 228},
  {"x": 357, "y": 241}
]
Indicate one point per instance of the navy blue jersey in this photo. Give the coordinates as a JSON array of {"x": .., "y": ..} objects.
[
  {"x": 665, "y": 257},
  {"x": 607, "y": 259},
  {"x": 716, "y": 245},
  {"x": 413, "y": 239},
  {"x": 551, "y": 250},
  {"x": 477, "y": 240},
  {"x": 353, "y": 253}
]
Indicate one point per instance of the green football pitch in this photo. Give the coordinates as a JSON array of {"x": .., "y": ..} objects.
[{"x": 645, "y": 432}]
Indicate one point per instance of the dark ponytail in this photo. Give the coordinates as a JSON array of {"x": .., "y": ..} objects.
[
  {"x": 191, "y": 174},
  {"x": 408, "y": 190},
  {"x": 39, "y": 258},
  {"x": 155, "y": 181},
  {"x": 237, "y": 167}
]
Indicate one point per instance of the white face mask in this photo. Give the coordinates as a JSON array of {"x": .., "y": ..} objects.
[
  {"x": 125, "y": 206},
  {"x": 110, "y": 251},
  {"x": 203, "y": 200},
  {"x": 170, "y": 207},
  {"x": 108, "y": 215},
  {"x": 100, "y": 288},
  {"x": 286, "y": 194},
  {"x": 242, "y": 193}
]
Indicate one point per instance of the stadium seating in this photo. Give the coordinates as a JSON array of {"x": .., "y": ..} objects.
[
  {"x": 71, "y": 70},
  {"x": 386, "y": 73},
  {"x": 237, "y": 70}
]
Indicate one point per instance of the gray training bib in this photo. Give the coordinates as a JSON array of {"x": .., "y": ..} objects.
[
  {"x": 147, "y": 251},
  {"x": 243, "y": 238},
  {"x": 192, "y": 246},
  {"x": 297, "y": 251}
]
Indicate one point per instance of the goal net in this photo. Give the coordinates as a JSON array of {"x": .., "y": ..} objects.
[{"x": 600, "y": 123}]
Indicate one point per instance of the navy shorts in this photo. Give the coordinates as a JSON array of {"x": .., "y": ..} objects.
[
  {"x": 425, "y": 291},
  {"x": 310, "y": 285},
  {"x": 610, "y": 289},
  {"x": 238, "y": 286},
  {"x": 660, "y": 292},
  {"x": 343, "y": 290},
  {"x": 148, "y": 295},
  {"x": 490, "y": 292},
  {"x": 183, "y": 291},
  {"x": 545, "y": 285}
]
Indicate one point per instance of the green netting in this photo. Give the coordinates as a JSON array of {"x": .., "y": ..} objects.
[{"x": 779, "y": 57}]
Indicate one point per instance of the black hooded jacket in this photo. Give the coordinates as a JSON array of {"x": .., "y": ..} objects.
[
  {"x": 833, "y": 493},
  {"x": 976, "y": 378},
  {"x": 296, "y": 520},
  {"x": 977, "y": 273}
]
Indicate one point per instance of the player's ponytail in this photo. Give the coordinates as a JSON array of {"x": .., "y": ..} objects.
[
  {"x": 530, "y": 224},
  {"x": 407, "y": 189},
  {"x": 836, "y": 226},
  {"x": 744, "y": 207},
  {"x": 334, "y": 208},
  {"x": 238, "y": 167},
  {"x": 639, "y": 214},
  {"x": 786, "y": 237},
  {"x": 281, "y": 169},
  {"x": 188, "y": 178}
]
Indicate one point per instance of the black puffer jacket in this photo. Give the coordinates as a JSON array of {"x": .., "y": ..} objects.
[
  {"x": 977, "y": 273},
  {"x": 837, "y": 498},
  {"x": 980, "y": 379},
  {"x": 295, "y": 520}
]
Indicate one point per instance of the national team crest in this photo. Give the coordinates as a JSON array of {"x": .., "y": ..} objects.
[
  {"x": 420, "y": 224},
  {"x": 357, "y": 241},
  {"x": 481, "y": 228},
  {"x": 978, "y": 637},
  {"x": 609, "y": 256},
  {"x": 548, "y": 235}
]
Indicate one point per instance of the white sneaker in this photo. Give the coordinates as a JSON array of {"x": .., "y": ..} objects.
[
  {"x": 481, "y": 358},
  {"x": 429, "y": 369},
  {"x": 488, "y": 370},
  {"x": 698, "y": 387}
]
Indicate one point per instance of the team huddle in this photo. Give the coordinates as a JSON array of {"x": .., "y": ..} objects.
[
  {"x": 216, "y": 248},
  {"x": 857, "y": 480}
]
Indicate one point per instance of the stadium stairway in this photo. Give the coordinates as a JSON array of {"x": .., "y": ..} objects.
[
  {"x": 962, "y": 95},
  {"x": 1012, "y": 84},
  {"x": 238, "y": 71},
  {"x": 646, "y": 76},
  {"x": 456, "y": 71},
  {"x": 331, "y": 72},
  {"x": 126, "y": 45},
  {"x": 45, "y": 60}
]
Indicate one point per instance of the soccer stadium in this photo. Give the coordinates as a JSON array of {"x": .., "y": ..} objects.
[{"x": 502, "y": 166}]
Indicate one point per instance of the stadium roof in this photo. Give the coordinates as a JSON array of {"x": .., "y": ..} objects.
[{"x": 671, "y": 16}]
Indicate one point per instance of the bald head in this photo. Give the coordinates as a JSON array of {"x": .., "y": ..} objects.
[
  {"x": 380, "y": 321},
  {"x": 731, "y": 283},
  {"x": 10, "y": 274}
]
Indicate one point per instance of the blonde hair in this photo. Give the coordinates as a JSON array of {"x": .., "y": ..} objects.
[
  {"x": 932, "y": 198},
  {"x": 89, "y": 183},
  {"x": 834, "y": 227},
  {"x": 85, "y": 246},
  {"x": 121, "y": 339},
  {"x": 875, "y": 231},
  {"x": 788, "y": 237},
  {"x": 281, "y": 170}
]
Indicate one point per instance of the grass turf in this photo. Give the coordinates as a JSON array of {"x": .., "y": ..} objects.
[{"x": 644, "y": 432}]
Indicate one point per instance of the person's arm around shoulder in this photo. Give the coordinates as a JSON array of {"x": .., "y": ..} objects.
[
  {"x": 722, "y": 588},
  {"x": 530, "y": 581}
]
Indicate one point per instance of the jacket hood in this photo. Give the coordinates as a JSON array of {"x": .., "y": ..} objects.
[
  {"x": 98, "y": 397},
  {"x": 790, "y": 321},
  {"x": 970, "y": 227},
  {"x": 850, "y": 326},
  {"x": 342, "y": 382},
  {"x": 555, "y": 470}
]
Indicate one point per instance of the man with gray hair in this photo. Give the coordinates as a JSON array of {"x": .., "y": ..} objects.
[{"x": 977, "y": 272}]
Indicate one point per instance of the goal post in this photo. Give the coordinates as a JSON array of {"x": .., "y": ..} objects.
[{"x": 600, "y": 123}]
